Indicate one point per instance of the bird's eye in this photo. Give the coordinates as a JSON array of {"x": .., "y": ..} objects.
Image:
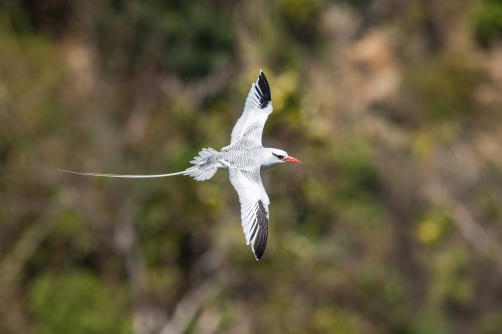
[{"x": 278, "y": 156}]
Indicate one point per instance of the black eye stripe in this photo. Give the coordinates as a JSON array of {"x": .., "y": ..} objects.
[{"x": 278, "y": 156}]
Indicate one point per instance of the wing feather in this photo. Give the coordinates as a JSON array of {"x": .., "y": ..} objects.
[
  {"x": 256, "y": 110},
  {"x": 254, "y": 207}
]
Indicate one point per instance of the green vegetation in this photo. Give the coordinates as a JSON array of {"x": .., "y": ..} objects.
[
  {"x": 78, "y": 302},
  {"x": 487, "y": 21},
  {"x": 391, "y": 225}
]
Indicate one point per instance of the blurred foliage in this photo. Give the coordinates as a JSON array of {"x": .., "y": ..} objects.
[
  {"x": 433, "y": 226},
  {"x": 78, "y": 302},
  {"x": 391, "y": 225},
  {"x": 301, "y": 18},
  {"x": 184, "y": 33},
  {"x": 446, "y": 86},
  {"x": 487, "y": 21}
]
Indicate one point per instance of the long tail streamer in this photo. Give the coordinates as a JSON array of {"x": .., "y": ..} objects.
[{"x": 124, "y": 176}]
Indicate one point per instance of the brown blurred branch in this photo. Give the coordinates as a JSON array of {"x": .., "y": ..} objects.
[
  {"x": 191, "y": 305},
  {"x": 13, "y": 262},
  {"x": 469, "y": 228},
  {"x": 146, "y": 318}
]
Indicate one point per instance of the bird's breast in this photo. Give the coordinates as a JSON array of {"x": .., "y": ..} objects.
[{"x": 242, "y": 158}]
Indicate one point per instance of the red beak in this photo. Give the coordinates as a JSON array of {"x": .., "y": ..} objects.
[{"x": 291, "y": 159}]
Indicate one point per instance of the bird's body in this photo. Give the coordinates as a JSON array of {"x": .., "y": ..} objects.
[{"x": 243, "y": 158}]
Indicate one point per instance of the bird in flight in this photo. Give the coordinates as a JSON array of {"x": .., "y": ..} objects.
[{"x": 244, "y": 158}]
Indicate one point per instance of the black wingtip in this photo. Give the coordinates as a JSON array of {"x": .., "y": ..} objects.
[
  {"x": 260, "y": 242},
  {"x": 263, "y": 90}
]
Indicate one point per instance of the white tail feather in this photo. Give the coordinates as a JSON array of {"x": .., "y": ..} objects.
[
  {"x": 201, "y": 171},
  {"x": 124, "y": 176}
]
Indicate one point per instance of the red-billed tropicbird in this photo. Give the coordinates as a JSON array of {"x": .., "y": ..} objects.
[{"x": 243, "y": 158}]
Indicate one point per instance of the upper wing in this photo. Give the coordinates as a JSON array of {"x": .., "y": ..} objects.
[
  {"x": 256, "y": 110},
  {"x": 254, "y": 207}
]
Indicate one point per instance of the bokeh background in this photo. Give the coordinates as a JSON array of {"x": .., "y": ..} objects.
[{"x": 392, "y": 224}]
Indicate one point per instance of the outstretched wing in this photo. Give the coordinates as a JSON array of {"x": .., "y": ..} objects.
[
  {"x": 256, "y": 110},
  {"x": 254, "y": 207}
]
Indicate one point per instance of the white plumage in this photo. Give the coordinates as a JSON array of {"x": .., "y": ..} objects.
[{"x": 243, "y": 158}]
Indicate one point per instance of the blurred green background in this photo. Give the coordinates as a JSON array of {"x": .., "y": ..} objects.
[{"x": 392, "y": 224}]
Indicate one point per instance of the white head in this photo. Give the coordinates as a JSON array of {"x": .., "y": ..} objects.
[{"x": 274, "y": 157}]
